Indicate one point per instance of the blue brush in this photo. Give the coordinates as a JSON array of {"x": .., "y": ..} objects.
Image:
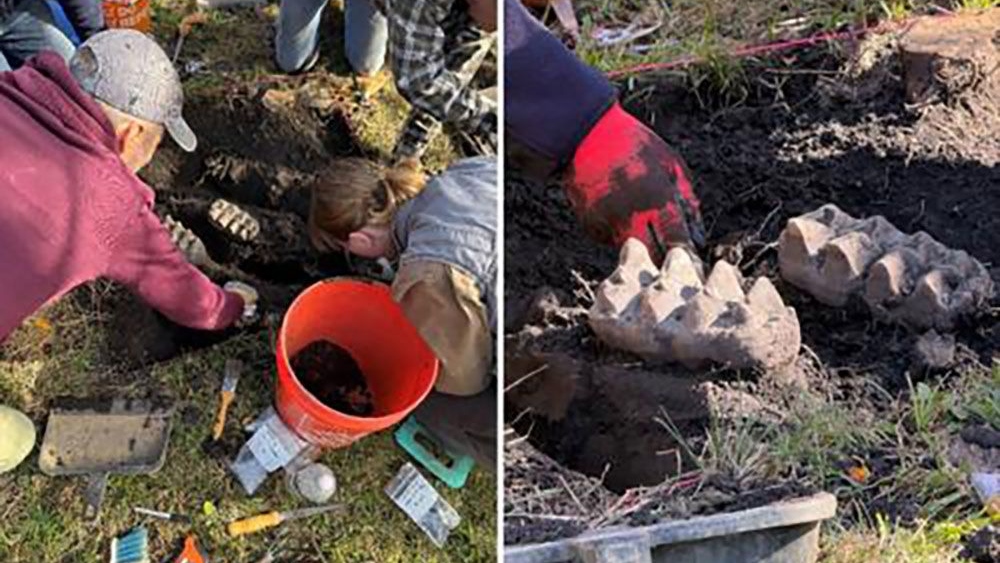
[{"x": 133, "y": 547}]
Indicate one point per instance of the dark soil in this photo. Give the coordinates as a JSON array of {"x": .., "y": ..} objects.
[
  {"x": 332, "y": 375},
  {"x": 983, "y": 546},
  {"x": 805, "y": 133},
  {"x": 262, "y": 159}
]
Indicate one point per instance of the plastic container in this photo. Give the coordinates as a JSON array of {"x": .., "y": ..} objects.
[
  {"x": 131, "y": 14},
  {"x": 783, "y": 532},
  {"x": 361, "y": 317}
]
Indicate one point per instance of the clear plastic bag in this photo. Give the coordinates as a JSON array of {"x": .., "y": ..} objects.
[{"x": 423, "y": 504}]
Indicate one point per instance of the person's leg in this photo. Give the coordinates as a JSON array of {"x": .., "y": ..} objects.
[
  {"x": 31, "y": 30},
  {"x": 466, "y": 55},
  {"x": 366, "y": 34},
  {"x": 297, "y": 40},
  {"x": 467, "y": 47},
  {"x": 444, "y": 305}
]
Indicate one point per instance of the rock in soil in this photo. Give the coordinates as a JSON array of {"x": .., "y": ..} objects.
[
  {"x": 911, "y": 279},
  {"x": 935, "y": 351},
  {"x": 951, "y": 68},
  {"x": 946, "y": 57},
  {"x": 674, "y": 314},
  {"x": 332, "y": 375},
  {"x": 982, "y": 435},
  {"x": 983, "y": 546}
]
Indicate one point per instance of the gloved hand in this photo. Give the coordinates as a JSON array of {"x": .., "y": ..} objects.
[
  {"x": 250, "y": 298},
  {"x": 624, "y": 181}
]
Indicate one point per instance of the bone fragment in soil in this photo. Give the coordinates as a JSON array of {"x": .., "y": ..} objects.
[
  {"x": 234, "y": 221},
  {"x": 188, "y": 243},
  {"x": 910, "y": 279},
  {"x": 674, "y": 314}
]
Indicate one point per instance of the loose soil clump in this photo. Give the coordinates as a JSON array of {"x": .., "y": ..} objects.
[
  {"x": 810, "y": 128},
  {"x": 333, "y": 376},
  {"x": 983, "y": 546}
]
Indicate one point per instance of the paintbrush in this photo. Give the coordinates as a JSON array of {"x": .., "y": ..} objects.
[{"x": 232, "y": 378}]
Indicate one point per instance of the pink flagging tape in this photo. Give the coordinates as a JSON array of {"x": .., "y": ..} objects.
[{"x": 766, "y": 48}]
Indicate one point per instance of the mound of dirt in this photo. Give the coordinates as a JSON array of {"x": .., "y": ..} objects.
[{"x": 812, "y": 129}]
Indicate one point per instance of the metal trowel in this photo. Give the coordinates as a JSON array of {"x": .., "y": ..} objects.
[{"x": 98, "y": 437}]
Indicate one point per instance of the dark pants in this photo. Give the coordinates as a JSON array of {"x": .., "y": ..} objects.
[
  {"x": 464, "y": 424},
  {"x": 27, "y": 31}
]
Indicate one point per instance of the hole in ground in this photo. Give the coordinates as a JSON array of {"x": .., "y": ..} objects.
[{"x": 602, "y": 420}]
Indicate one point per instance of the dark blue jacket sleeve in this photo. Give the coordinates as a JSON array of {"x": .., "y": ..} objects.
[
  {"x": 551, "y": 99},
  {"x": 87, "y": 16}
]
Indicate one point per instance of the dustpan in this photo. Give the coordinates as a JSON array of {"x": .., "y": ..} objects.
[{"x": 99, "y": 437}]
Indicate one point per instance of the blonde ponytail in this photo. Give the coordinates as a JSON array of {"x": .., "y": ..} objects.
[
  {"x": 400, "y": 184},
  {"x": 353, "y": 192}
]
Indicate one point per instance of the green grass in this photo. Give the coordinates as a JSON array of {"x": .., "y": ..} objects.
[
  {"x": 707, "y": 30},
  {"x": 904, "y": 445},
  {"x": 65, "y": 350},
  {"x": 42, "y": 516},
  {"x": 888, "y": 543}
]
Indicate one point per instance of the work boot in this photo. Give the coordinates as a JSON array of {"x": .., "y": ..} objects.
[{"x": 18, "y": 438}]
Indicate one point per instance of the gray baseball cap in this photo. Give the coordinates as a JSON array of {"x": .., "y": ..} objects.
[{"x": 127, "y": 70}]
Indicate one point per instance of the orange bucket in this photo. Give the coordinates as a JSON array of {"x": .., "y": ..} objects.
[
  {"x": 132, "y": 14},
  {"x": 363, "y": 318}
]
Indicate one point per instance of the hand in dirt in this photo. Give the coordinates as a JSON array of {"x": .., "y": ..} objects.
[
  {"x": 625, "y": 182},
  {"x": 250, "y": 298}
]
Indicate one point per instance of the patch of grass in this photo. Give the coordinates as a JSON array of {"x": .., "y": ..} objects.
[
  {"x": 686, "y": 25},
  {"x": 900, "y": 453},
  {"x": 819, "y": 436},
  {"x": 929, "y": 406},
  {"x": 889, "y": 543},
  {"x": 895, "y": 9},
  {"x": 379, "y": 123},
  {"x": 978, "y": 398},
  {"x": 42, "y": 515},
  {"x": 977, "y": 4},
  {"x": 736, "y": 448}
]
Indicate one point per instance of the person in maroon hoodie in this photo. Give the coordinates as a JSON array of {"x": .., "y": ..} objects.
[{"x": 71, "y": 140}]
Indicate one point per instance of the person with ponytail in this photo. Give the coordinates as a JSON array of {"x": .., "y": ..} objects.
[{"x": 442, "y": 233}]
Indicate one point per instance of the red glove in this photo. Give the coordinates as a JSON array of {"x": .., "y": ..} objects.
[{"x": 625, "y": 182}]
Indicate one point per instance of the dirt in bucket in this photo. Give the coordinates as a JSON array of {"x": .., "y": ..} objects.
[{"x": 331, "y": 374}]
